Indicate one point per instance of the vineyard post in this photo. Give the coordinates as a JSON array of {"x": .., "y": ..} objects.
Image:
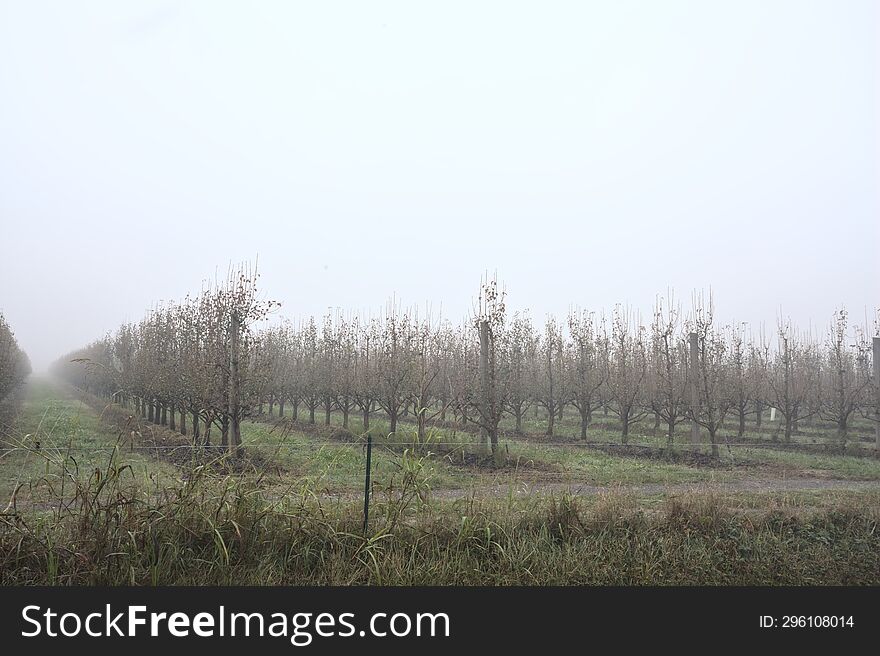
[
  {"x": 234, "y": 384},
  {"x": 695, "y": 399},
  {"x": 484, "y": 380}
]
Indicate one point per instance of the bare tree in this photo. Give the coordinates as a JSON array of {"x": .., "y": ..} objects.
[
  {"x": 628, "y": 370},
  {"x": 667, "y": 375},
  {"x": 844, "y": 376},
  {"x": 551, "y": 385},
  {"x": 588, "y": 370},
  {"x": 745, "y": 377},
  {"x": 520, "y": 348},
  {"x": 426, "y": 380},
  {"x": 790, "y": 379},
  {"x": 712, "y": 384},
  {"x": 394, "y": 362}
]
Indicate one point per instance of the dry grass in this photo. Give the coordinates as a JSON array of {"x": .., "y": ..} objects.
[{"x": 220, "y": 529}]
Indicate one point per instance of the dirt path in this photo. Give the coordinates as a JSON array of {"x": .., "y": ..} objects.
[{"x": 647, "y": 489}]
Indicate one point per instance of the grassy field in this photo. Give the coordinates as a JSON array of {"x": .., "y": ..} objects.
[
  {"x": 58, "y": 440},
  {"x": 91, "y": 495}
]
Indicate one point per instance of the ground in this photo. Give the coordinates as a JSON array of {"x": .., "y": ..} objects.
[
  {"x": 92, "y": 495},
  {"x": 64, "y": 434}
]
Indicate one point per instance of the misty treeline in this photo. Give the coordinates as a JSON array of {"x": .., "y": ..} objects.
[
  {"x": 201, "y": 365},
  {"x": 14, "y": 363}
]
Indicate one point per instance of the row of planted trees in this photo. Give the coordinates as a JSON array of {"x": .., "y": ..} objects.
[
  {"x": 196, "y": 366},
  {"x": 202, "y": 364},
  {"x": 14, "y": 363}
]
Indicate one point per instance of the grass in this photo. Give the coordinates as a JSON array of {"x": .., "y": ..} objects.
[
  {"x": 90, "y": 511},
  {"x": 820, "y": 465},
  {"x": 597, "y": 468},
  {"x": 200, "y": 534},
  {"x": 561, "y": 456},
  {"x": 337, "y": 466},
  {"x": 61, "y": 439}
]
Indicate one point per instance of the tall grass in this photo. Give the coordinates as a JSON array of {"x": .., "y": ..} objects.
[{"x": 217, "y": 527}]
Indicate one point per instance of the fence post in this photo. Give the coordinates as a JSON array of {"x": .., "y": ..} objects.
[{"x": 367, "y": 483}]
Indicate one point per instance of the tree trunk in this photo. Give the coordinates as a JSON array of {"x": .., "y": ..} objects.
[
  {"x": 182, "y": 422},
  {"x": 281, "y": 408},
  {"x": 171, "y": 423},
  {"x": 367, "y": 417},
  {"x": 714, "y": 443},
  {"x": 421, "y": 424},
  {"x": 195, "y": 424}
]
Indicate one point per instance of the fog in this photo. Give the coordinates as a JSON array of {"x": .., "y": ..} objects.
[{"x": 590, "y": 153}]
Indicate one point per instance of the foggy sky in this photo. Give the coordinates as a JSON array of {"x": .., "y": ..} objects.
[{"x": 589, "y": 152}]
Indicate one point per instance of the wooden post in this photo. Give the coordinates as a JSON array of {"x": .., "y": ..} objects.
[
  {"x": 693, "y": 339},
  {"x": 877, "y": 392},
  {"x": 484, "y": 379}
]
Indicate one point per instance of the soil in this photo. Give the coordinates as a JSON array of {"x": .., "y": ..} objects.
[{"x": 745, "y": 485}]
